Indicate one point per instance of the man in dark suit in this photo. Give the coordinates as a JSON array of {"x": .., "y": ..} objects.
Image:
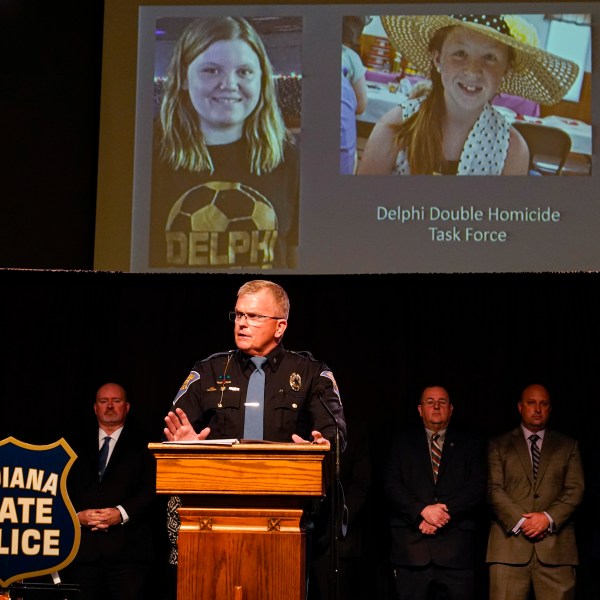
[
  {"x": 434, "y": 483},
  {"x": 112, "y": 487},
  {"x": 535, "y": 485}
]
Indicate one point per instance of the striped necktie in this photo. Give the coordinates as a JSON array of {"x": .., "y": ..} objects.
[
  {"x": 436, "y": 455},
  {"x": 535, "y": 453}
]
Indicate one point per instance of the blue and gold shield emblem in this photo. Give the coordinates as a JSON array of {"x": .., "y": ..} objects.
[{"x": 39, "y": 530}]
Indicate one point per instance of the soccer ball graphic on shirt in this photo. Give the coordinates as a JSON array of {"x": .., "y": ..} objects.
[{"x": 221, "y": 223}]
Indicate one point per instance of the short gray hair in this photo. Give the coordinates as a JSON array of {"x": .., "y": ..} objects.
[{"x": 279, "y": 294}]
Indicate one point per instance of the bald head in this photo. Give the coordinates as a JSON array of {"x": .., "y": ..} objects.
[
  {"x": 435, "y": 408},
  {"x": 535, "y": 407}
]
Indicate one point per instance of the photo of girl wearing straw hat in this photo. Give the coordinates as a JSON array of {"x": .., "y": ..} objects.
[{"x": 452, "y": 128}]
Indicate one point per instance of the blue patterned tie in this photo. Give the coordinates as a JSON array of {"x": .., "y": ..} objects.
[
  {"x": 103, "y": 457},
  {"x": 255, "y": 401}
]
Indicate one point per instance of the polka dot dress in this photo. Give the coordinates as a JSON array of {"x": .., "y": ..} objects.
[{"x": 485, "y": 150}]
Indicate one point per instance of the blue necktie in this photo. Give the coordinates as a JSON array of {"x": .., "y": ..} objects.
[
  {"x": 103, "y": 457},
  {"x": 255, "y": 401}
]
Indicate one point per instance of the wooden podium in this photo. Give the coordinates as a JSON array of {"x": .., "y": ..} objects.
[{"x": 242, "y": 535}]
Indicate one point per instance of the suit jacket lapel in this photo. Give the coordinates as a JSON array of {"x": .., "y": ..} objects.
[
  {"x": 117, "y": 451},
  {"x": 547, "y": 449},
  {"x": 520, "y": 445},
  {"x": 425, "y": 453}
]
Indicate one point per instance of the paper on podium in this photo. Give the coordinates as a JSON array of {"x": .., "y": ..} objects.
[
  {"x": 223, "y": 442},
  {"x": 248, "y": 441}
]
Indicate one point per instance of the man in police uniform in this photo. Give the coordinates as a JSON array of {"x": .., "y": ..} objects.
[{"x": 211, "y": 402}]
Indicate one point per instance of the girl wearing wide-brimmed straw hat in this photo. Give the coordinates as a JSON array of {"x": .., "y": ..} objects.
[{"x": 452, "y": 129}]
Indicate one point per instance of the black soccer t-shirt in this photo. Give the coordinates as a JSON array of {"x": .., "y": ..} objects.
[{"x": 228, "y": 219}]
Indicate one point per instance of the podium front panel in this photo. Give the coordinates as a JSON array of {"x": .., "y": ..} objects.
[
  {"x": 259, "y": 553},
  {"x": 241, "y": 534}
]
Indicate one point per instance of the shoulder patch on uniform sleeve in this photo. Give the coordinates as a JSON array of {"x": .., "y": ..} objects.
[
  {"x": 193, "y": 376},
  {"x": 331, "y": 378}
]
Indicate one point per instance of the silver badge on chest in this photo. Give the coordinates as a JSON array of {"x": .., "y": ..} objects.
[{"x": 295, "y": 382}]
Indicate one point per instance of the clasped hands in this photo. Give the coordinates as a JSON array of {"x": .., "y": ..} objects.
[
  {"x": 99, "y": 519},
  {"x": 434, "y": 516},
  {"x": 179, "y": 428},
  {"x": 535, "y": 526}
]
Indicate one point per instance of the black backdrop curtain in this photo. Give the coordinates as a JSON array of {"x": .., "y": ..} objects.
[{"x": 483, "y": 336}]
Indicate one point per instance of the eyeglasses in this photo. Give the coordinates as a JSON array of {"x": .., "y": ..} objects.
[
  {"x": 251, "y": 318},
  {"x": 431, "y": 402}
]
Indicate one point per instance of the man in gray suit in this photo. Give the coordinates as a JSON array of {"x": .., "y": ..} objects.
[{"x": 535, "y": 483}]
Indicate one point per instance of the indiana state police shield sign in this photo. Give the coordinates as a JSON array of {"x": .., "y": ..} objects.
[{"x": 39, "y": 530}]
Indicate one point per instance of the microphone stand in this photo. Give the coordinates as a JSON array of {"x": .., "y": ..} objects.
[{"x": 334, "y": 559}]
